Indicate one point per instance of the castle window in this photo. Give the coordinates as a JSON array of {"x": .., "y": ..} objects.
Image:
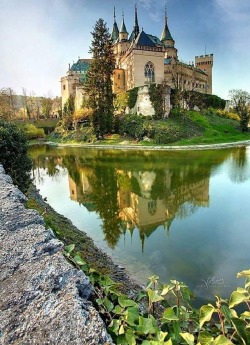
[
  {"x": 149, "y": 72},
  {"x": 64, "y": 87},
  {"x": 152, "y": 207}
]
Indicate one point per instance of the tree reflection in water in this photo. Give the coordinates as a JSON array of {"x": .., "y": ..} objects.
[{"x": 139, "y": 190}]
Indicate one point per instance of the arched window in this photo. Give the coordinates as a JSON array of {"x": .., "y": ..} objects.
[{"x": 149, "y": 72}]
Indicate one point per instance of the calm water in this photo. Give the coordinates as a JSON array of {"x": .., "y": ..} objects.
[{"x": 180, "y": 215}]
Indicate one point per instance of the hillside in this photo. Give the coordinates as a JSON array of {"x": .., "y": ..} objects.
[{"x": 181, "y": 128}]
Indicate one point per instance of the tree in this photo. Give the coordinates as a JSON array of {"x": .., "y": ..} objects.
[
  {"x": 240, "y": 102},
  {"x": 13, "y": 154},
  {"x": 46, "y": 103},
  {"x": 7, "y": 103},
  {"x": 98, "y": 85}
]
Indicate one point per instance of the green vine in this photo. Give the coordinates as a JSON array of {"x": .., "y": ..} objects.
[
  {"x": 155, "y": 322},
  {"x": 156, "y": 95},
  {"x": 132, "y": 97}
]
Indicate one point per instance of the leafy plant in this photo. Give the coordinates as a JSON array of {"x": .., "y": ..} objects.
[
  {"x": 13, "y": 154},
  {"x": 130, "y": 323}
]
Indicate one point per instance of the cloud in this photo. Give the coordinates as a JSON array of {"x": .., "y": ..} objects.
[
  {"x": 145, "y": 3},
  {"x": 231, "y": 10}
]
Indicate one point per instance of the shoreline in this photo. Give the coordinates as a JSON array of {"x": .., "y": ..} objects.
[
  {"x": 70, "y": 234},
  {"x": 125, "y": 147}
]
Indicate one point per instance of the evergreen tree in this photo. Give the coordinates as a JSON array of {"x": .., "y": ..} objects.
[{"x": 98, "y": 85}]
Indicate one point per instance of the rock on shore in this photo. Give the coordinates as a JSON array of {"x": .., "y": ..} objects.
[{"x": 43, "y": 299}]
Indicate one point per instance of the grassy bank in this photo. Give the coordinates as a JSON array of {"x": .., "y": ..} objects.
[
  {"x": 68, "y": 234},
  {"x": 181, "y": 128}
]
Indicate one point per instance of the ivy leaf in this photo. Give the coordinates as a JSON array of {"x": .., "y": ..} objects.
[
  {"x": 118, "y": 310},
  {"x": 132, "y": 316},
  {"x": 206, "y": 312},
  {"x": 69, "y": 248},
  {"x": 108, "y": 304},
  {"x": 237, "y": 298},
  {"x": 169, "y": 315},
  {"x": 154, "y": 296},
  {"x": 222, "y": 340},
  {"x": 240, "y": 326},
  {"x": 78, "y": 260},
  {"x": 245, "y": 315},
  {"x": 114, "y": 326},
  {"x": 121, "y": 330},
  {"x": 245, "y": 273},
  {"x": 166, "y": 289},
  {"x": 125, "y": 302},
  {"x": 189, "y": 338},
  {"x": 130, "y": 337},
  {"x": 205, "y": 338},
  {"x": 145, "y": 326}
]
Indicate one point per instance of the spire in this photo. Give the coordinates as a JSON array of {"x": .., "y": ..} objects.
[
  {"x": 123, "y": 26},
  {"x": 115, "y": 31},
  {"x": 166, "y": 35},
  {"x": 136, "y": 27}
]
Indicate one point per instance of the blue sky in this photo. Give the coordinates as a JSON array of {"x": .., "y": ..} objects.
[{"x": 39, "y": 38}]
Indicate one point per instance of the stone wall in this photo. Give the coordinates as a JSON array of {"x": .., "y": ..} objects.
[
  {"x": 144, "y": 106},
  {"x": 43, "y": 299}
]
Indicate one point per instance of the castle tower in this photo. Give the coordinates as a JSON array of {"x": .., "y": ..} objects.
[
  {"x": 123, "y": 34},
  {"x": 115, "y": 31},
  {"x": 168, "y": 41},
  {"x": 205, "y": 63},
  {"x": 136, "y": 29},
  {"x": 123, "y": 43}
]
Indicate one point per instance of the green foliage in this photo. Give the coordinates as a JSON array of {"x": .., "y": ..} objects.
[
  {"x": 132, "y": 126},
  {"x": 240, "y": 101},
  {"x": 32, "y": 132},
  {"x": 228, "y": 115},
  {"x": 156, "y": 95},
  {"x": 98, "y": 85},
  {"x": 214, "y": 101},
  {"x": 68, "y": 111},
  {"x": 69, "y": 107},
  {"x": 193, "y": 98},
  {"x": 162, "y": 324},
  {"x": 132, "y": 97},
  {"x": 13, "y": 154}
]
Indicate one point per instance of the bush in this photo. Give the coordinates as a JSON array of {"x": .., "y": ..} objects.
[
  {"x": 168, "y": 135},
  {"x": 13, "y": 154},
  {"x": 32, "y": 132},
  {"x": 132, "y": 125},
  {"x": 228, "y": 115}
]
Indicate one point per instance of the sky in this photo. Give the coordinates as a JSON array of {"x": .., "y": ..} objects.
[{"x": 39, "y": 38}]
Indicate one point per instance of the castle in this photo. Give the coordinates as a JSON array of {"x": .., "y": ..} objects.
[{"x": 143, "y": 59}]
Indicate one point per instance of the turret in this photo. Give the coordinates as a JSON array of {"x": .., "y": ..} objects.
[
  {"x": 205, "y": 63},
  {"x": 136, "y": 29},
  {"x": 115, "y": 31},
  {"x": 168, "y": 41},
  {"x": 123, "y": 34}
]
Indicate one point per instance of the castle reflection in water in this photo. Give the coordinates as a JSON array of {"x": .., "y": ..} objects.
[{"x": 138, "y": 192}]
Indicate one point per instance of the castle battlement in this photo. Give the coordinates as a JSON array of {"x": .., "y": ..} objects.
[{"x": 204, "y": 56}]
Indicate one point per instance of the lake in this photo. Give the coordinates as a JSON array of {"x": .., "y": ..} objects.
[{"x": 180, "y": 215}]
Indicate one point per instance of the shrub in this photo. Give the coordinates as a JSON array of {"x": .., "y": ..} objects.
[
  {"x": 168, "y": 135},
  {"x": 13, "y": 154},
  {"x": 228, "y": 115},
  {"x": 132, "y": 97},
  {"x": 32, "y": 132},
  {"x": 132, "y": 125}
]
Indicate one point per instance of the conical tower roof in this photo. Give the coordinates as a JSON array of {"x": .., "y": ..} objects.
[
  {"x": 136, "y": 27},
  {"x": 115, "y": 31},
  {"x": 123, "y": 26},
  {"x": 166, "y": 35}
]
